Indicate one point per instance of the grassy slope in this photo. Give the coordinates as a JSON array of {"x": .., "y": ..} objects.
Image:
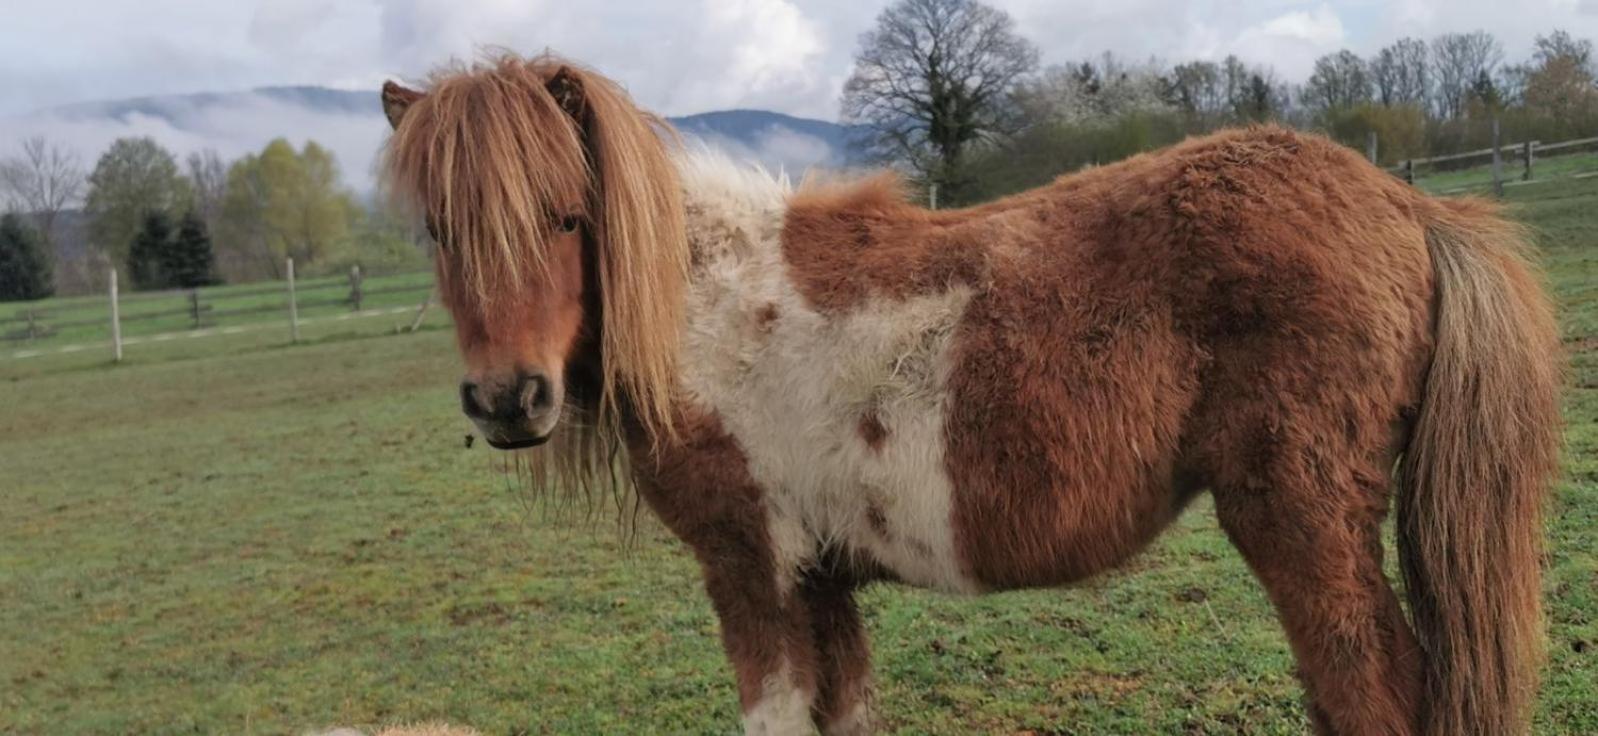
[{"x": 235, "y": 536}]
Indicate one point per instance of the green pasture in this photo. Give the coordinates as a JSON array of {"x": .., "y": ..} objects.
[{"x": 235, "y": 535}]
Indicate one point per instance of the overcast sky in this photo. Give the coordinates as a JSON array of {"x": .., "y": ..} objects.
[{"x": 677, "y": 56}]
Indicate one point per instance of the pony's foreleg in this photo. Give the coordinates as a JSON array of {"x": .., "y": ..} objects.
[
  {"x": 843, "y": 700},
  {"x": 767, "y": 632}
]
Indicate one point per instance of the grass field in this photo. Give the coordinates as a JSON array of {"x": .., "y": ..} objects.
[{"x": 236, "y": 536}]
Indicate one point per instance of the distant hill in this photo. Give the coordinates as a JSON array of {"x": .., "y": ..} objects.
[{"x": 350, "y": 122}]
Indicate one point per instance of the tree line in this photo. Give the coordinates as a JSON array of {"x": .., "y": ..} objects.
[
  {"x": 953, "y": 91},
  {"x": 169, "y": 224}
]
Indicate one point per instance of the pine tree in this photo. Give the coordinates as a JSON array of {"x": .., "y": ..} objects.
[
  {"x": 148, "y": 253},
  {"x": 24, "y": 266},
  {"x": 189, "y": 261}
]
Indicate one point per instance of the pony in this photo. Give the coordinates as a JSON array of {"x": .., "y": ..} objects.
[{"x": 820, "y": 386}]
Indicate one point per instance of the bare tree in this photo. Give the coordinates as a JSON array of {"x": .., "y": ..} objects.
[
  {"x": 1459, "y": 62},
  {"x": 41, "y": 181},
  {"x": 1560, "y": 45},
  {"x": 1340, "y": 81},
  {"x": 1198, "y": 89},
  {"x": 1402, "y": 73},
  {"x": 208, "y": 179},
  {"x": 932, "y": 78}
]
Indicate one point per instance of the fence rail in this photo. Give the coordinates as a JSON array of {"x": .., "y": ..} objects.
[
  {"x": 1524, "y": 154},
  {"x": 173, "y": 312}
]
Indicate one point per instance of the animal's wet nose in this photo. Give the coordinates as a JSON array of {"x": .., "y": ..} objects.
[{"x": 529, "y": 397}]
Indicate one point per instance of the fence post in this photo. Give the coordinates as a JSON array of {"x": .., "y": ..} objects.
[
  {"x": 194, "y": 307},
  {"x": 1528, "y": 150},
  {"x": 355, "y": 288},
  {"x": 1370, "y": 147},
  {"x": 294, "y": 310},
  {"x": 116, "y": 321},
  {"x": 1498, "y": 162},
  {"x": 33, "y": 329},
  {"x": 421, "y": 313},
  {"x": 932, "y": 196},
  {"x": 1409, "y": 171}
]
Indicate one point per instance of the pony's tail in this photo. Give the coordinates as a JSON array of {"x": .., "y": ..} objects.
[{"x": 1483, "y": 451}]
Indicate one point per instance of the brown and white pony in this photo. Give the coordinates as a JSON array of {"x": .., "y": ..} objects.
[{"x": 819, "y": 388}]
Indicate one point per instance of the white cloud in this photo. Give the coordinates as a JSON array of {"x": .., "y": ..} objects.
[
  {"x": 242, "y": 126},
  {"x": 1292, "y": 41}
]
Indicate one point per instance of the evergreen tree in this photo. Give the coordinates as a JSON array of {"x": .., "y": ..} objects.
[
  {"x": 188, "y": 260},
  {"x": 24, "y": 266},
  {"x": 148, "y": 253}
]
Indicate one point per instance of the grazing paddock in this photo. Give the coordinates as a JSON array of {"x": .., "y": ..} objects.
[{"x": 238, "y": 536}]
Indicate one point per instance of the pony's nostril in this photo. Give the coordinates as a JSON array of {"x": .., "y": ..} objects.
[
  {"x": 469, "y": 403},
  {"x": 539, "y": 393}
]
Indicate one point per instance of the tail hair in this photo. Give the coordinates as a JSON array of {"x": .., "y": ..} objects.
[{"x": 1481, "y": 456}]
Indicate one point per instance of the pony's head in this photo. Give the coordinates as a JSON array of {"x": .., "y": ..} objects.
[{"x": 561, "y": 252}]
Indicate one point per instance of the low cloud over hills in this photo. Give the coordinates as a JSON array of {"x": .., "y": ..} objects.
[{"x": 351, "y": 124}]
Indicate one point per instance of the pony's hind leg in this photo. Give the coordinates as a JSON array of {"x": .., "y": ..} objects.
[
  {"x": 843, "y": 676},
  {"x": 1313, "y": 538}
]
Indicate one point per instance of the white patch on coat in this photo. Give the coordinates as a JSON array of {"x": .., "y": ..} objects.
[
  {"x": 783, "y": 708},
  {"x": 793, "y": 385}
]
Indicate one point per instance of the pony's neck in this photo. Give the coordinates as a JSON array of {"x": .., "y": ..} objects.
[{"x": 731, "y": 207}]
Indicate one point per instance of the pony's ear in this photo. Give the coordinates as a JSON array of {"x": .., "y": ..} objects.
[
  {"x": 396, "y": 100},
  {"x": 566, "y": 86}
]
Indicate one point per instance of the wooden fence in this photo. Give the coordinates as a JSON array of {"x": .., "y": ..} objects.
[
  {"x": 1521, "y": 158},
  {"x": 199, "y": 309}
]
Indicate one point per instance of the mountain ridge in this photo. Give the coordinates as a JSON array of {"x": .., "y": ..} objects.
[{"x": 768, "y": 136}]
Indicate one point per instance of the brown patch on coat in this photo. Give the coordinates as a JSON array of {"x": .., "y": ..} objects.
[
  {"x": 766, "y": 317},
  {"x": 846, "y": 243},
  {"x": 878, "y": 521},
  {"x": 872, "y": 431}
]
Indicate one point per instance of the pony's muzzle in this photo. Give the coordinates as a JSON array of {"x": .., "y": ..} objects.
[{"x": 516, "y": 414}]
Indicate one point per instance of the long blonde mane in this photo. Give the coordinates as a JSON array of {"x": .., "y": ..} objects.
[{"x": 485, "y": 153}]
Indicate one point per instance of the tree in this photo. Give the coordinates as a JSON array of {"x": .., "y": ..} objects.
[
  {"x": 1561, "y": 46},
  {"x": 1091, "y": 91},
  {"x": 932, "y": 78},
  {"x": 41, "y": 181},
  {"x": 133, "y": 178},
  {"x": 1196, "y": 89},
  {"x": 147, "y": 253},
  {"x": 208, "y": 177},
  {"x": 1559, "y": 85},
  {"x": 188, "y": 261},
  {"x": 1340, "y": 81},
  {"x": 24, "y": 262},
  {"x": 1262, "y": 99},
  {"x": 283, "y": 204},
  {"x": 1402, "y": 73},
  {"x": 1459, "y": 61}
]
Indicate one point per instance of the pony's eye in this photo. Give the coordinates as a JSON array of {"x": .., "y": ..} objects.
[{"x": 568, "y": 224}]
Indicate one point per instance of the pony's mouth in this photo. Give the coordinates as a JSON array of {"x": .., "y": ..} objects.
[{"x": 519, "y": 443}]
